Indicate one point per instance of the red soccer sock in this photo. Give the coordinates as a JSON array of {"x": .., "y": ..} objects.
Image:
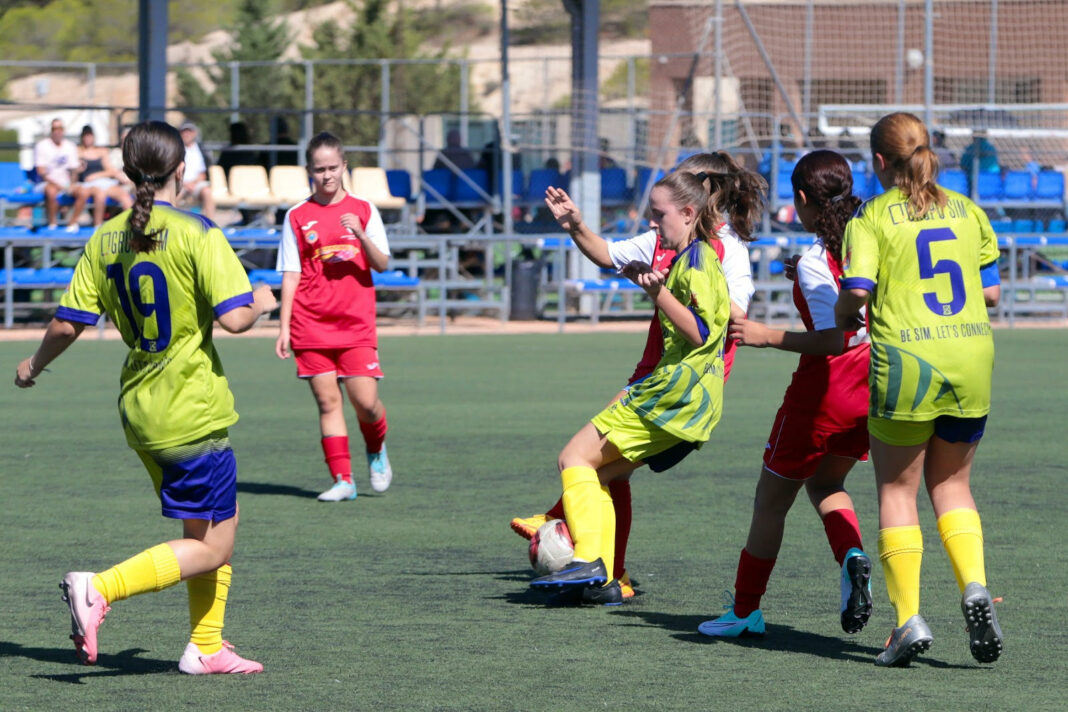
[
  {"x": 750, "y": 583},
  {"x": 374, "y": 434},
  {"x": 557, "y": 511},
  {"x": 620, "y": 491},
  {"x": 843, "y": 532},
  {"x": 336, "y": 452}
]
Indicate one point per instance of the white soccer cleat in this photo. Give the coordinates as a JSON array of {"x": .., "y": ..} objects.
[
  {"x": 381, "y": 472},
  {"x": 340, "y": 492}
]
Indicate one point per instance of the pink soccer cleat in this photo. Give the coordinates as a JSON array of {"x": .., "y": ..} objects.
[
  {"x": 194, "y": 662},
  {"x": 87, "y": 611}
]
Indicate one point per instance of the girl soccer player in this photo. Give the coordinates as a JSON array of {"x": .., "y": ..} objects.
[
  {"x": 330, "y": 243},
  {"x": 747, "y": 200},
  {"x": 821, "y": 427},
  {"x": 162, "y": 276},
  {"x": 924, "y": 260},
  {"x": 670, "y": 412}
]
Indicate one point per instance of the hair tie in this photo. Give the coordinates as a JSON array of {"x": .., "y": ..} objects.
[
  {"x": 701, "y": 176},
  {"x": 838, "y": 198}
]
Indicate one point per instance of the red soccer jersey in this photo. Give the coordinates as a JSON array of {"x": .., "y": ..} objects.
[
  {"x": 832, "y": 391},
  {"x": 654, "y": 342},
  {"x": 334, "y": 306}
]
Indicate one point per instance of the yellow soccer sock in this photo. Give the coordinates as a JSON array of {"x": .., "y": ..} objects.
[
  {"x": 608, "y": 530},
  {"x": 152, "y": 570},
  {"x": 583, "y": 509},
  {"x": 207, "y": 608},
  {"x": 962, "y": 535},
  {"x": 901, "y": 552}
]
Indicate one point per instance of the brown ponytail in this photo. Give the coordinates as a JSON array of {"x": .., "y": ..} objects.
[
  {"x": 827, "y": 181},
  {"x": 902, "y": 140},
  {"x": 151, "y": 154},
  {"x": 743, "y": 200}
]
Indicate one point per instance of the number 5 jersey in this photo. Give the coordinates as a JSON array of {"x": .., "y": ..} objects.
[{"x": 932, "y": 350}]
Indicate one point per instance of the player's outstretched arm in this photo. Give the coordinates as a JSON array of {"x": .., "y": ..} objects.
[
  {"x": 569, "y": 217},
  {"x": 59, "y": 335},
  {"x": 825, "y": 342},
  {"x": 847, "y": 314},
  {"x": 242, "y": 318}
]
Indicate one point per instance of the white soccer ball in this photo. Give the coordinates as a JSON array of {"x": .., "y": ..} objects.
[
  {"x": 551, "y": 548},
  {"x": 914, "y": 58}
]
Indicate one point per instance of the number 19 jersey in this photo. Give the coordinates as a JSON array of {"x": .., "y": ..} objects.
[
  {"x": 173, "y": 389},
  {"x": 932, "y": 350}
]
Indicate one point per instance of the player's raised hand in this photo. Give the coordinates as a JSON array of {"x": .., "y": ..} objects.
[
  {"x": 564, "y": 210},
  {"x": 352, "y": 223},
  {"x": 645, "y": 276},
  {"x": 749, "y": 333}
]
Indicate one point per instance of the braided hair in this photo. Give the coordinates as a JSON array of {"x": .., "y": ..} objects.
[{"x": 151, "y": 154}]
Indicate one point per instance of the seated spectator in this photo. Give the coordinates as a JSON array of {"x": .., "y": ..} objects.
[
  {"x": 117, "y": 162},
  {"x": 97, "y": 179},
  {"x": 195, "y": 186},
  {"x": 56, "y": 159},
  {"x": 280, "y": 137},
  {"x": 604, "y": 159},
  {"x": 455, "y": 153},
  {"x": 234, "y": 155},
  {"x": 980, "y": 156},
  {"x": 946, "y": 158}
]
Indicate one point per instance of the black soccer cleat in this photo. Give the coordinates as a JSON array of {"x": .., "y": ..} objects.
[
  {"x": 575, "y": 574},
  {"x": 608, "y": 595}
]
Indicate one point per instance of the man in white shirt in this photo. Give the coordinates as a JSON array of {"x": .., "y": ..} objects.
[
  {"x": 56, "y": 160},
  {"x": 196, "y": 185}
]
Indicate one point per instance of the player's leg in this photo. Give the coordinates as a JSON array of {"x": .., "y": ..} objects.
[
  {"x": 81, "y": 196},
  {"x": 774, "y": 497},
  {"x": 51, "y": 194},
  {"x": 100, "y": 205},
  {"x": 947, "y": 475},
  {"x": 588, "y": 510},
  {"x": 826, "y": 491},
  {"x": 898, "y": 450},
  {"x": 332, "y": 428},
  {"x": 207, "y": 203},
  {"x": 362, "y": 392}
]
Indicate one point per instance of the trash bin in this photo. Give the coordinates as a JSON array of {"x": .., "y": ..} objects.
[{"x": 524, "y": 289}]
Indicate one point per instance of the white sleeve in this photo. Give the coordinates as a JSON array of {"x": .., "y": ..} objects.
[
  {"x": 376, "y": 231},
  {"x": 737, "y": 269},
  {"x": 640, "y": 248},
  {"x": 288, "y": 256},
  {"x": 819, "y": 288}
]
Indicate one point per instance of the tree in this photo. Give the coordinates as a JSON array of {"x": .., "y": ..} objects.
[
  {"x": 258, "y": 37},
  {"x": 356, "y": 89}
]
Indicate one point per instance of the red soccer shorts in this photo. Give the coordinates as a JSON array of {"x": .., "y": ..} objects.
[
  {"x": 346, "y": 363},
  {"x": 795, "y": 447}
]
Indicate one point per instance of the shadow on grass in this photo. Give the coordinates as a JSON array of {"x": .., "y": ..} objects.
[
  {"x": 126, "y": 662},
  {"x": 285, "y": 490},
  {"x": 778, "y": 637}
]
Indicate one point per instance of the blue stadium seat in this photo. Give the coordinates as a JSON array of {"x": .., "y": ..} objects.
[
  {"x": 1018, "y": 185},
  {"x": 862, "y": 184},
  {"x": 991, "y": 187},
  {"x": 614, "y": 186},
  {"x": 465, "y": 193},
  {"x": 540, "y": 180},
  {"x": 1001, "y": 225},
  {"x": 400, "y": 183},
  {"x": 267, "y": 276},
  {"x": 785, "y": 187},
  {"x": 1057, "y": 225},
  {"x": 517, "y": 184},
  {"x": 1050, "y": 186},
  {"x": 645, "y": 175},
  {"x": 440, "y": 180},
  {"x": 1023, "y": 225},
  {"x": 954, "y": 179}
]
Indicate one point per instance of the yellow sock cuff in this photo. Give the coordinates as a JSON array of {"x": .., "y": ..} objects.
[
  {"x": 571, "y": 476},
  {"x": 960, "y": 521},
  {"x": 168, "y": 572},
  {"x": 900, "y": 540}
]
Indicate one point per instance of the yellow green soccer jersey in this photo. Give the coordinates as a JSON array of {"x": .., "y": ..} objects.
[
  {"x": 173, "y": 389},
  {"x": 684, "y": 393},
  {"x": 932, "y": 350}
]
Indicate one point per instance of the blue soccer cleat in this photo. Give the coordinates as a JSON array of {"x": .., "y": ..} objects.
[
  {"x": 575, "y": 574},
  {"x": 856, "y": 591},
  {"x": 731, "y": 626}
]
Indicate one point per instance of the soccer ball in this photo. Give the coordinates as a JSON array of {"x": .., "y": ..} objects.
[{"x": 551, "y": 548}]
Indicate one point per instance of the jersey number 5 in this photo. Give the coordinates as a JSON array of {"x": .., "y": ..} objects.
[
  {"x": 130, "y": 299},
  {"x": 950, "y": 268}
]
